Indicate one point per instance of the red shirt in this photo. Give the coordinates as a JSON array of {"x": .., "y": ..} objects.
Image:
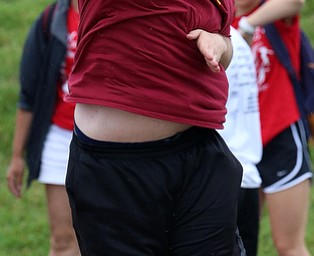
[
  {"x": 134, "y": 56},
  {"x": 64, "y": 111},
  {"x": 278, "y": 106}
]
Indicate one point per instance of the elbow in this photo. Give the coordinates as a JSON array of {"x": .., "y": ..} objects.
[
  {"x": 293, "y": 7},
  {"x": 298, "y": 4}
]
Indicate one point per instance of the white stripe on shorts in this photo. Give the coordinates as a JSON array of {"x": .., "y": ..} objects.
[{"x": 288, "y": 181}]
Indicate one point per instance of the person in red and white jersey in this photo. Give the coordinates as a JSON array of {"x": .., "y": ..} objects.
[{"x": 285, "y": 167}]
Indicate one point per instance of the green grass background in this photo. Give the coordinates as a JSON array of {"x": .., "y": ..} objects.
[{"x": 23, "y": 222}]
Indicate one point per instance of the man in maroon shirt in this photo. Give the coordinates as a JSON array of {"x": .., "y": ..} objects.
[{"x": 148, "y": 174}]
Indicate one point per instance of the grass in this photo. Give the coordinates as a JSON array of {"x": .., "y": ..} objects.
[{"x": 23, "y": 223}]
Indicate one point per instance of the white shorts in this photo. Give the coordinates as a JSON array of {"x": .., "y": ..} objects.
[{"x": 54, "y": 159}]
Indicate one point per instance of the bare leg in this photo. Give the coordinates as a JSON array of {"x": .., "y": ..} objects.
[
  {"x": 63, "y": 240},
  {"x": 288, "y": 212}
]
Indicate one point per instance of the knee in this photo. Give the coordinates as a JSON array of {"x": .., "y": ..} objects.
[
  {"x": 283, "y": 249},
  {"x": 290, "y": 249}
]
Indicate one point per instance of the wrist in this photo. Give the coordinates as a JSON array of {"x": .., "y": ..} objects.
[
  {"x": 17, "y": 155},
  {"x": 246, "y": 27}
]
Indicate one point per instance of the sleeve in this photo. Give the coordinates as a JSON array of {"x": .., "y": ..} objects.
[{"x": 31, "y": 65}]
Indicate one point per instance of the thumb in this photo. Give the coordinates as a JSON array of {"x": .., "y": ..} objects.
[{"x": 194, "y": 34}]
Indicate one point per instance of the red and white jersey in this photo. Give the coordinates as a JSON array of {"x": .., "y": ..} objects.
[
  {"x": 278, "y": 106},
  {"x": 64, "y": 111}
]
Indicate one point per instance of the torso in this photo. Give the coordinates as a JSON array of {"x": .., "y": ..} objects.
[
  {"x": 109, "y": 124},
  {"x": 162, "y": 76}
]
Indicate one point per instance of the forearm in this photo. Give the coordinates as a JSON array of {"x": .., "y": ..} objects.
[
  {"x": 274, "y": 10},
  {"x": 227, "y": 56},
  {"x": 22, "y": 127}
]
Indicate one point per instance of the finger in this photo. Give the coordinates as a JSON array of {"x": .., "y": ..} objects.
[
  {"x": 213, "y": 65},
  {"x": 13, "y": 187},
  {"x": 215, "y": 69},
  {"x": 19, "y": 183},
  {"x": 208, "y": 54}
]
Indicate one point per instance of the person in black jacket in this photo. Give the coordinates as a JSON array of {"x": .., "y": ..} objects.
[{"x": 44, "y": 122}]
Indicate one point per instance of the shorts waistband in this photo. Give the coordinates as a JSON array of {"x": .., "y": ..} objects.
[{"x": 172, "y": 143}]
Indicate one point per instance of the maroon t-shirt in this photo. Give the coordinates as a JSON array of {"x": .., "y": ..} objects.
[{"x": 134, "y": 56}]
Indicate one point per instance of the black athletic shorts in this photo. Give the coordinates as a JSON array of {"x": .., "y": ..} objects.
[
  {"x": 176, "y": 196},
  {"x": 286, "y": 161},
  {"x": 248, "y": 219}
]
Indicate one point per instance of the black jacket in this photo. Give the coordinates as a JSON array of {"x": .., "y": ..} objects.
[{"x": 39, "y": 72}]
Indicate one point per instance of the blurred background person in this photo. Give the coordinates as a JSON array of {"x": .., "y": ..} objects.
[
  {"x": 44, "y": 122},
  {"x": 285, "y": 167},
  {"x": 242, "y": 133}
]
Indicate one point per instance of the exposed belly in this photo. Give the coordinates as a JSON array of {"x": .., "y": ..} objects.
[{"x": 108, "y": 124}]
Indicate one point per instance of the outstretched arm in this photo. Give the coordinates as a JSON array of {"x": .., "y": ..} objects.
[
  {"x": 268, "y": 12},
  {"x": 273, "y": 10}
]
